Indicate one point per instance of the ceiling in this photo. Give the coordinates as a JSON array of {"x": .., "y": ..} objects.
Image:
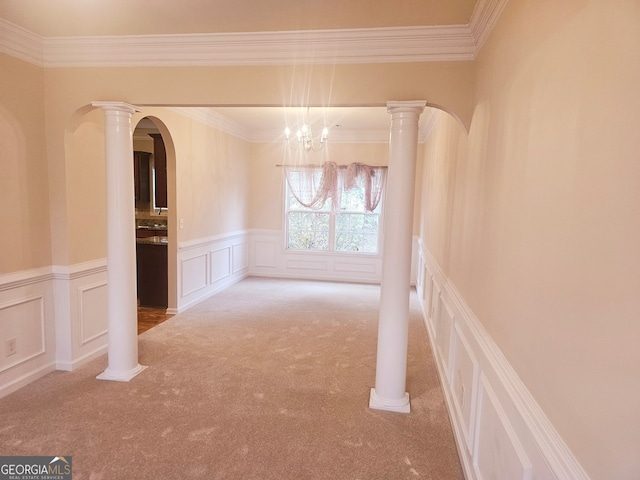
[
  {"x": 267, "y": 124},
  {"x": 55, "y": 18},
  {"x": 110, "y": 19}
]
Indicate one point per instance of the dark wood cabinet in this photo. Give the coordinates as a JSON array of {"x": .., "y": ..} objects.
[
  {"x": 141, "y": 176},
  {"x": 160, "y": 162},
  {"x": 152, "y": 279},
  {"x": 146, "y": 232}
]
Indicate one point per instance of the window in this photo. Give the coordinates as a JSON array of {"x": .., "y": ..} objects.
[{"x": 349, "y": 228}]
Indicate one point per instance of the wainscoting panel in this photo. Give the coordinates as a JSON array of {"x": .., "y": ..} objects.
[
  {"x": 353, "y": 267},
  {"x": 194, "y": 274},
  {"x": 92, "y": 300},
  {"x": 443, "y": 335},
  {"x": 26, "y": 322},
  {"x": 463, "y": 384},
  {"x": 300, "y": 265},
  {"x": 268, "y": 257},
  {"x": 265, "y": 254},
  {"x": 240, "y": 257},
  {"x": 220, "y": 264},
  {"x": 208, "y": 266},
  {"x": 498, "y": 452},
  {"x": 81, "y": 313},
  {"x": 427, "y": 292},
  {"x": 500, "y": 430},
  {"x": 22, "y": 325}
]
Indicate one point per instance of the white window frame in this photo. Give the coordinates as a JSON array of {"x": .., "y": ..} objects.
[{"x": 331, "y": 250}]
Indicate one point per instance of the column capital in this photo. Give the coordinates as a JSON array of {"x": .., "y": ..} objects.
[
  {"x": 117, "y": 106},
  {"x": 416, "y": 106}
]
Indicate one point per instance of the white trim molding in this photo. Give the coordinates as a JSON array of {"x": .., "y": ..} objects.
[
  {"x": 339, "y": 46},
  {"x": 369, "y": 45},
  {"x": 268, "y": 257},
  {"x": 65, "y": 331},
  {"x": 209, "y": 265},
  {"x": 485, "y": 15},
  {"x": 491, "y": 409}
]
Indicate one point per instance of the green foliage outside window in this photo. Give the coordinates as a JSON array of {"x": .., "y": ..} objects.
[{"x": 354, "y": 229}]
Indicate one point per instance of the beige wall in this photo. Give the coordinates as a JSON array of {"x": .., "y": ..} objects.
[
  {"x": 85, "y": 185},
  {"x": 69, "y": 92},
  {"x": 25, "y": 242},
  {"x": 536, "y": 216},
  {"x": 212, "y": 178},
  {"x": 209, "y": 169}
]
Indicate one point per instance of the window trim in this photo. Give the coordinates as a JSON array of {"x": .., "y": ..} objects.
[{"x": 332, "y": 230}]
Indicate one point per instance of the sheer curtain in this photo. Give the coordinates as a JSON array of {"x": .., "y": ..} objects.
[
  {"x": 312, "y": 186},
  {"x": 372, "y": 179}
]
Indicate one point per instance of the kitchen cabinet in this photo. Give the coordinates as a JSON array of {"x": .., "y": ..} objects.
[
  {"x": 160, "y": 166},
  {"x": 141, "y": 176},
  {"x": 145, "y": 232},
  {"x": 151, "y": 269}
]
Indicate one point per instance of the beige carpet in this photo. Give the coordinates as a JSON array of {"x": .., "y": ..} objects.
[{"x": 269, "y": 379}]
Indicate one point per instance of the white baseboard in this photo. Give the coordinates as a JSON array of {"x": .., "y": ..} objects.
[
  {"x": 491, "y": 409},
  {"x": 83, "y": 360}
]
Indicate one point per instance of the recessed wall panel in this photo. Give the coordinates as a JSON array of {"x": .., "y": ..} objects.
[
  {"x": 498, "y": 453},
  {"x": 464, "y": 383},
  {"x": 352, "y": 267},
  {"x": 194, "y": 274},
  {"x": 22, "y": 323},
  {"x": 92, "y": 301},
  {"x": 443, "y": 333},
  {"x": 306, "y": 265},
  {"x": 240, "y": 257},
  {"x": 220, "y": 264},
  {"x": 427, "y": 292},
  {"x": 265, "y": 254}
]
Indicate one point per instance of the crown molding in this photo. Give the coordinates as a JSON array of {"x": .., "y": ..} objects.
[
  {"x": 20, "y": 43},
  {"x": 352, "y": 46},
  {"x": 215, "y": 120},
  {"x": 373, "y": 45},
  {"x": 484, "y": 17}
]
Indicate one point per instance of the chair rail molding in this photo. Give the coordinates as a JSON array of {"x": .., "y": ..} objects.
[{"x": 489, "y": 406}]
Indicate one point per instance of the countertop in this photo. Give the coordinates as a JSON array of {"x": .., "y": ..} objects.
[{"x": 155, "y": 240}]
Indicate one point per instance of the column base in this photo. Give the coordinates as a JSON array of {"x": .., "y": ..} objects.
[
  {"x": 378, "y": 403},
  {"x": 121, "y": 376}
]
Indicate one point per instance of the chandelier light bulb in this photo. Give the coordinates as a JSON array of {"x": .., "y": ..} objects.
[{"x": 305, "y": 139}]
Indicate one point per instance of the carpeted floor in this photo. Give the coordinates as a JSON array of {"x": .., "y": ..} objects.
[{"x": 269, "y": 379}]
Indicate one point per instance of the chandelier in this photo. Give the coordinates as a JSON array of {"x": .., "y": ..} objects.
[{"x": 304, "y": 138}]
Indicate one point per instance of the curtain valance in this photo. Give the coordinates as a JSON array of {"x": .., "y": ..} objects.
[{"x": 312, "y": 186}]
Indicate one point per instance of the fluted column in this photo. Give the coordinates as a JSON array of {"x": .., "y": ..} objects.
[
  {"x": 391, "y": 368},
  {"x": 121, "y": 247}
]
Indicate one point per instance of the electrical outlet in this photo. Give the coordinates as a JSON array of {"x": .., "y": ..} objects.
[{"x": 11, "y": 347}]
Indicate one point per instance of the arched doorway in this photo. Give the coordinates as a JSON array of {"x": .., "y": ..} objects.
[{"x": 153, "y": 220}]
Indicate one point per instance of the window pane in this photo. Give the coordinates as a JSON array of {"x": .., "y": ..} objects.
[
  {"x": 308, "y": 230},
  {"x": 353, "y": 200},
  {"x": 302, "y": 181},
  {"x": 357, "y": 232},
  {"x": 295, "y": 205}
]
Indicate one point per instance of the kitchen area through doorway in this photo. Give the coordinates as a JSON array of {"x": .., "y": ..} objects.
[{"x": 150, "y": 184}]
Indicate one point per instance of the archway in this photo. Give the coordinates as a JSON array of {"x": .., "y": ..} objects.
[{"x": 154, "y": 182}]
